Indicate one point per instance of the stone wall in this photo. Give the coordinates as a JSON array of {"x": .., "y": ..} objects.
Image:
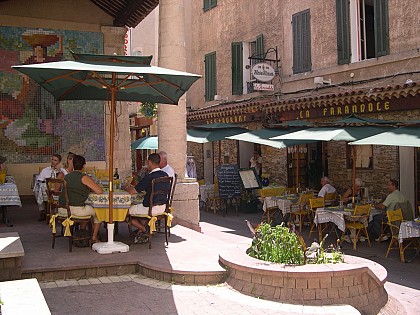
[{"x": 357, "y": 282}]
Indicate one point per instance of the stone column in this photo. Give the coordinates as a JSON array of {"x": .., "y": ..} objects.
[
  {"x": 172, "y": 119},
  {"x": 114, "y": 44}
]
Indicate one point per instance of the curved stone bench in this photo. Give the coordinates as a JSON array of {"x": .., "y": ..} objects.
[{"x": 357, "y": 282}]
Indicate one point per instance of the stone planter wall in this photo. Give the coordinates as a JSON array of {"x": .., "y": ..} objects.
[{"x": 358, "y": 282}]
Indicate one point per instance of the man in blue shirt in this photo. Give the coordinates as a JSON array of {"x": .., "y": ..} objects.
[{"x": 146, "y": 185}]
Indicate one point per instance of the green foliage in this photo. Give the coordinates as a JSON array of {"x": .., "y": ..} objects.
[
  {"x": 316, "y": 254},
  {"x": 149, "y": 110},
  {"x": 277, "y": 244}
]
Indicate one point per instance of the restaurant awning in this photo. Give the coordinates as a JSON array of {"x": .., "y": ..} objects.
[
  {"x": 204, "y": 136},
  {"x": 403, "y": 137},
  {"x": 262, "y": 136},
  {"x": 152, "y": 142},
  {"x": 333, "y": 133}
]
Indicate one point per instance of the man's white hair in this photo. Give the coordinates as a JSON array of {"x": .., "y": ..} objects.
[
  {"x": 326, "y": 179},
  {"x": 358, "y": 182},
  {"x": 163, "y": 155}
]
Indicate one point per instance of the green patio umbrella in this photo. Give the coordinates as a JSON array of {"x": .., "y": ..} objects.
[
  {"x": 213, "y": 132},
  {"x": 145, "y": 143},
  {"x": 263, "y": 136},
  {"x": 110, "y": 78},
  {"x": 341, "y": 133},
  {"x": 403, "y": 137}
]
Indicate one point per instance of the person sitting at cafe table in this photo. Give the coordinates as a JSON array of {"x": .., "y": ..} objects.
[
  {"x": 146, "y": 185},
  {"x": 390, "y": 202},
  {"x": 164, "y": 166},
  {"x": 3, "y": 163},
  {"x": 348, "y": 195},
  {"x": 326, "y": 187},
  {"x": 39, "y": 188},
  {"x": 79, "y": 186}
]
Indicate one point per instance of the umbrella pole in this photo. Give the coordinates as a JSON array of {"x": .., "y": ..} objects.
[
  {"x": 297, "y": 169},
  {"x": 110, "y": 246},
  {"x": 353, "y": 175}
]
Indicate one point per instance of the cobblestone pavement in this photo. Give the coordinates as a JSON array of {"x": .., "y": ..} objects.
[{"x": 136, "y": 294}]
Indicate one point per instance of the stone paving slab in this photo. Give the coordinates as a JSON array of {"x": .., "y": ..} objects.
[{"x": 141, "y": 295}]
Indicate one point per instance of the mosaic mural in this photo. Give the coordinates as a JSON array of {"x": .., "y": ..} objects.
[{"x": 33, "y": 125}]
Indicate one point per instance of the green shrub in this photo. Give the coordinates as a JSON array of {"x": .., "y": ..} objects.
[{"x": 276, "y": 244}]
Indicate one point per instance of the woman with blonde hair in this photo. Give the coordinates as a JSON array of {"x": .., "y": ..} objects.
[{"x": 348, "y": 195}]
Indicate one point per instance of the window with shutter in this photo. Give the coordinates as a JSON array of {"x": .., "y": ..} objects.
[
  {"x": 208, "y": 4},
  {"x": 260, "y": 46},
  {"x": 301, "y": 32},
  {"x": 210, "y": 76},
  {"x": 237, "y": 68},
  {"x": 368, "y": 28},
  {"x": 343, "y": 31}
]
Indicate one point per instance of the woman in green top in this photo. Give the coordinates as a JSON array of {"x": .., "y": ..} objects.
[{"x": 79, "y": 186}]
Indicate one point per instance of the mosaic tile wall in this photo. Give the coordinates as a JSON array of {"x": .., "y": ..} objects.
[{"x": 33, "y": 125}]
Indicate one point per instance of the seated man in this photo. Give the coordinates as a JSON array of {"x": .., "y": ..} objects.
[
  {"x": 164, "y": 166},
  {"x": 326, "y": 187},
  {"x": 394, "y": 197},
  {"x": 146, "y": 185},
  {"x": 79, "y": 186},
  {"x": 40, "y": 186}
]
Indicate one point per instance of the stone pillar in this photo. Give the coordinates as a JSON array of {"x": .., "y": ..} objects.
[
  {"x": 114, "y": 44},
  {"x": 172, "y": 119}
]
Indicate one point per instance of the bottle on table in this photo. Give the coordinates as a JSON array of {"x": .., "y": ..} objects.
[
  {"x": 53, "y": 175},
  {"x": 116, "y": 175}
]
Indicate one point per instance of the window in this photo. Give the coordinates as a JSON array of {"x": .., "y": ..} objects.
[
  {"x": 364, "y": 156},
  {"x": 301, "y": 30},
  {"x": 244, "y": 56},
  {"x": 210, "y": 76},
  {"x": 362, "y": 30},
  {"x": 209, "y": 4}
]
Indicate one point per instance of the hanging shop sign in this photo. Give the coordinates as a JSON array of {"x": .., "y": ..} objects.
[
  {"x": 263, "y": 72},
  {"x": 381, "y": 106},
  {"x": 263, "y": 87}
]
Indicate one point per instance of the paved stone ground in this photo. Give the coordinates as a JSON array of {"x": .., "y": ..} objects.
[{"x": 133, "y": 294}]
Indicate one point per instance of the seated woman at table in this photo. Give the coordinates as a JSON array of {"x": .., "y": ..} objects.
[
  {"x": 326, "y": 187},
  {"x": 146, "y": 185},
  {"x": 79, "y": 186},
  {"x": 3, "y": 163},
  {"x": 68, "y": 168},
  {"x": 348, "y": 195}
]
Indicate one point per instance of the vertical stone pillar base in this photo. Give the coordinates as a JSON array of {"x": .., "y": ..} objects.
[{"x": 186, "y": 204}]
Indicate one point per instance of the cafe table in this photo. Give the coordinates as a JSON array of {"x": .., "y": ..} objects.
[
  {"x": 9, "y": 196},
  {"x": 408, "y": 230},
  {"x": 281, "y": 202},
  {"x": 121, "y": 202}
]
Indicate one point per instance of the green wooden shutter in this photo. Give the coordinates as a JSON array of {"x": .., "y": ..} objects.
[
  {"x": 343, "y": 31},
  {"x": 208, "y": 4},
  {"x": 301, "y": 29},
  {"x": 381, "y": 27},
  {"x": 210, "y": 76},
  {"x": 237, "y": 69},
  {"x": 260, "y": 46}
]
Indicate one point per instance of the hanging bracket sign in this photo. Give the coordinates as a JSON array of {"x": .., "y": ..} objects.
[{"x": 263, "y": 72}]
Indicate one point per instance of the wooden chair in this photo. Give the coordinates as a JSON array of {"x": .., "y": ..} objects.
[
  {"x": 303, "y": 211},
  {"x": 315, "y": 203},
  {"x": 395, "y": 217},
  {"x": 171, "y": 209},
  {"x": 330, "y": 199},
  {"x": 358, "y": 222},
  {"x": 53, "y": 189},
  {"x": 290, "y": 191},
  {"x": 68, "y": 221},
  {"x": 161, "y": 186}
]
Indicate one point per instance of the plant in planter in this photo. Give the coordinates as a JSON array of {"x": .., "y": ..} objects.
[
  {"x": 279, "y": 244},
  {"x": 149, "y": 110}
]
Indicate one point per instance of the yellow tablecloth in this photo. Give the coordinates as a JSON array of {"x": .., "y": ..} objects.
[{"x": 120, "y": 205}]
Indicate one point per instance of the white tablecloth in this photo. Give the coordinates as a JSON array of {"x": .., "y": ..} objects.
[
  {"x": 205, "y": 191},
  {"x": 9, "y": 194},
  {"x": 282, "y": 203},
  {"x": 335, "y": 216},
  {"x": 408, "y": 229}
]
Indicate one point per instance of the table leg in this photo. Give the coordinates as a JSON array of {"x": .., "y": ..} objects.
[{"x": 5, "y": 219}]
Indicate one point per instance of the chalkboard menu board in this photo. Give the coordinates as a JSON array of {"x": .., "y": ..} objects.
[{"x": 229, "y": 181}]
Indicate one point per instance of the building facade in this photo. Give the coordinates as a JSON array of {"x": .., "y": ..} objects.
[{"x": 270, "y": 62}]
